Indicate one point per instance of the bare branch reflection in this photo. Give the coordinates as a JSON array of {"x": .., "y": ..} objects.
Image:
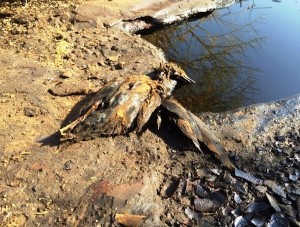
[{"x": 213, "y": 52}]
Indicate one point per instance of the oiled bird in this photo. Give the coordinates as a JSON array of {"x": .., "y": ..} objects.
[
  {"x": 195, "y": 129},
  {"x": 125, "y": 104}
]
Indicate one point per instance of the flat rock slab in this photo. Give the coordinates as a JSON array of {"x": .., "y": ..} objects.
[
  {"x": 256, "y": 124},
  {"x": 140, "y": 14},
  {"x": 265, "y": 136}
]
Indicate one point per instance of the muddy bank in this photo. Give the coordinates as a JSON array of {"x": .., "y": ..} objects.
[
  {"x": 49, "y": 67},
  {"x": 133, "y": 16}
]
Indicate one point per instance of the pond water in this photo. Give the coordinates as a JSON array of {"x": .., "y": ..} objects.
[{"x": 244, "y": 54}]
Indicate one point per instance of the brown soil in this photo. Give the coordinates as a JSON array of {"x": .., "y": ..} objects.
[{"x": 47, "y": 66}]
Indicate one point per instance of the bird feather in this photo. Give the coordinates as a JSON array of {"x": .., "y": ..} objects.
[{"x": 195, "y": 129}]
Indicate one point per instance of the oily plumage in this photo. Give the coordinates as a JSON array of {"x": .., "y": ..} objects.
[{"x": 125, "y": 104}]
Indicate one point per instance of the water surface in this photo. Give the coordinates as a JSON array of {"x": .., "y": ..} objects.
[{"x": 247, "y": 53}]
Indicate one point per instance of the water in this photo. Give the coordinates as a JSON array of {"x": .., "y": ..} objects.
[{"x": 247, "y": 53}]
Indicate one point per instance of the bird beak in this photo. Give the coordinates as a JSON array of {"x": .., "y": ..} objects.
[{"x": 184, "y": 78}]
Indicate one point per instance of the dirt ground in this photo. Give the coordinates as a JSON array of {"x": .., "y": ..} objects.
[{"x": 48, "y": 69}]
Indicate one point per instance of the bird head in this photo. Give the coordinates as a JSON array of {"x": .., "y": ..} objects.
[{"x": 174, "y": 72}]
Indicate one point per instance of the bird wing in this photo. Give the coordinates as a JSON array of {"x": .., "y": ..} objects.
[
  {"x": 187, "y": 128},
  {"x": 91, "y": 106},
  {"x": 114, "y": 109},
  {"x": 195, "y": 129},
  {"x": 148, "y": 107},
  {"x": 102, "y": 95}
]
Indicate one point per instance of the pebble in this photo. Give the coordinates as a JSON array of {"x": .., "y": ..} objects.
[
  {"x": 237, "y": 212},
  {"x": 293, "y": 177},
  {"x": 181, "y": 188},
  {"x": 296, "y": 190},
  {"x": 31, "y": 112},
  {"x": 237, "y": 198},
  {"x": 200, "y": 191},
  {"x": 260, "y": 150},
  {"x": 275, "y": 188},
  {"x": 119, "y": 65},
  {"x": 69, "y": 165},
  {"x": 273, "y": 202},
  {"x": 278, "y": 220},
  {"x": 66, "y": 74},
  {"x": 258, "y": 221},
  {"x": 189, "y": 213},
  {"x": 69, "y": 87},
  {"x": 215, "y": 171},
  {"x": 206, "y": 205},
  {"x": 257, "y": 207},
  {"x": 169, "y": 188},
  {"x": 234, "y": 182},
  {"x": 261, "y": 189},
  {"x": 280, "y": 138},
  {"x": 240, "y": 221},
  {"x": 113, "y": 58},
  {"x": 248, "y": 177},
  {"x": 227, "y": 210}
]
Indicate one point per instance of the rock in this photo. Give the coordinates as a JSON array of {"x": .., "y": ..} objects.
[
  {"x": 273, "y": 202},
  {"x": 240, "y": 221},
  {"x": 201, "y": 192},
  {"x": 257, "y": 207},
  {"x": 237, "y": 198},
  {"x": 293, "y": 177},
  {"x": 66, "y": 74},
  {"x": 119, "y": 65},
  {"x": 234, "y": 182},
  {"x": 113, "y": 58},
  {"x": 278, "y": 220},
  {"x": 280, "y": 138},
  {"x": 237, "y": 212},
  {"x": 31, "y": 111},
  {"x": 206, "y": 205},
  {"x": 248, "y": 177},
  {"x": 215, "y": 171},
  {"x": 69, "y": 165},
  {"x": 181, "y": 190},
  {"x": 261, "y": 189},
  {"x": 169, "y": 187},
  {"x": 138, "y": 15},
  {"x": 69, "y": 87},
  {"x": 129, "y": 220},
  {"x": 258, "y": 221},
  {"x": 275, "y": 188},
  {"x": 211, "y": 203},
  {"x": 192, "y": 215},
  {"x": 189, "y": 213}
]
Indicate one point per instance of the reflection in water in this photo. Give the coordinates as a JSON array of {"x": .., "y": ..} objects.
[{"x": 216, "y": 60}]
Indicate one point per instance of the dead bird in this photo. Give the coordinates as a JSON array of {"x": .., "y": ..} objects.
[{"x": 125, "y": 104}]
